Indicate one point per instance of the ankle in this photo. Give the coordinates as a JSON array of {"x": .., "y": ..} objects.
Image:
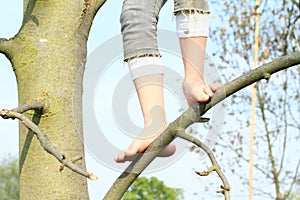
[
  {"x": 155, "y": 127},
  {"x": 158, "y": 125},
  {"x": 192, "y": 79},
  {"x": 156, "y": 119}
]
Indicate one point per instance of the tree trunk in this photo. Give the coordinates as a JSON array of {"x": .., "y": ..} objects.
[{"x": 48, "y": 57}]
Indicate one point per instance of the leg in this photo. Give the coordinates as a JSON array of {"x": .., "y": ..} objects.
[
  {"x": 139, "y": 25},
  {"x": 192, "y": 30},
  {"x": 150, "y": 93},
  {"x": 139, "y": 20},
  {"x": 194, "y": 86}
]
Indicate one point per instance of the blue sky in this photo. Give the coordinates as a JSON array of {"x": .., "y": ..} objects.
[
  {"x": 106, "y": 25},
  {"x": 11, "y": 19}
]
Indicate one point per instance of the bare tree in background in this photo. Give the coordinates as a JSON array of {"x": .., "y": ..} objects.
[{"x": 278, "y": 110}]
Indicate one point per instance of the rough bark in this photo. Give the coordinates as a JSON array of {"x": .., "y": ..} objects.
[{"x": 48, "y": 56}]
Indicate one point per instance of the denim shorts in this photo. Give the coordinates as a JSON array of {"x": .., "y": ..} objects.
[{"x": 139, "y": 24}]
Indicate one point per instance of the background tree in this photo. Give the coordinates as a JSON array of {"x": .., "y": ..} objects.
[
  {"x": 277, "y": 122},
  {"x": 152, "y": 188},
  {"x": 9, "y": 179}
]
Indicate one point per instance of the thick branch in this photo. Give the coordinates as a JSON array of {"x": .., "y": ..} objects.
[
  {"x": 192, "y": 115},
  {"x": 215, "y": 166},
  {"x": 94, "y": 6},
  {"x": 3, "y": 46},
  {"x": 44, "y": 140},
  {"x": 263, "y": 72},
  {"x": 99, "y": 3}
]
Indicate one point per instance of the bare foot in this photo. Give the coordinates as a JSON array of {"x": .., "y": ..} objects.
[
  {"x": 140, "y": 144},
  {"x": 196, "y": 90}
]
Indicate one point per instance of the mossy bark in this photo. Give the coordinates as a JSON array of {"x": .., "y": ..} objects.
[{"x": 48, "y": 57}]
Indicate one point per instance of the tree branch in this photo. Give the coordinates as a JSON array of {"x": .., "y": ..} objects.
[
  {"x": 193, "y": 115},
  {"x": 285, "y": 121},
  {"x": 3, "y": 46},
  {"x": 44, "y": 140},
  {"x": 287, "y": 194},
  {"x": 35, "y": 105},
  {"x": 275, "y": 177},
  {"x": 241, "y": 156},
  {"x": 296, "y": 3},
  {"x": 215, "y": 166},
  {"x": 263, "y": 72},
  {"x": 99, "y": 3}
]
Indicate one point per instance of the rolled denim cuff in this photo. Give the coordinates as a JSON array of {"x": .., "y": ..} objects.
[
  {"x": 144, "y": 66},
  {"x": 192, "y": 24}
]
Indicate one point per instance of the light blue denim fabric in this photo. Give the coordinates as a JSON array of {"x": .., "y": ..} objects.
[{"x": 139, "y": 24}]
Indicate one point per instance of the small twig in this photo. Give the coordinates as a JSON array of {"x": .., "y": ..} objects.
[
  {"x": 215, "y": 166},
  {"x": 203, "y": 120},
  {"x": 293, "y": 182},
  {"x": 76, "y": 159},
  {"x": 206, "y": 172},
  {"x": 44, "y": 141},
  {"x": 73, "y": 160}
]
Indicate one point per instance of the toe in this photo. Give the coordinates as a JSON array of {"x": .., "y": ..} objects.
[{"x": 120, "y": 158}]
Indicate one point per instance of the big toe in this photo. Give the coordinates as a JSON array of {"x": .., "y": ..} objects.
[{"x": 203, "y": 97}]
